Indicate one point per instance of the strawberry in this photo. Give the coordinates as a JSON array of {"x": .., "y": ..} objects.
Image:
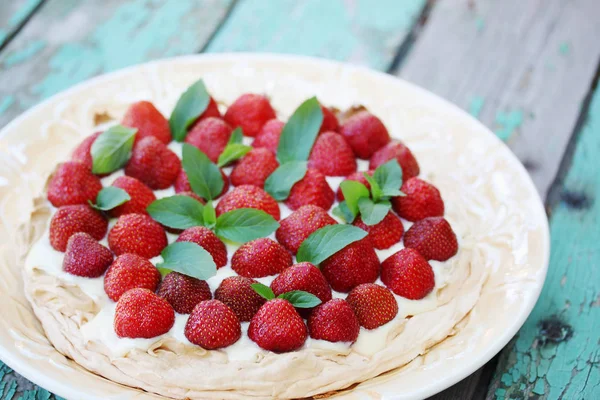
[
  {"x": 373, "y": 305},
  {"x": 138, "y": 234},
  {"x": 141, "y": 196},
  {"x": 148, "y": 121},
  {"x": 260, "y": 257},
  {"x": 278, "y": 327},
  {"x": 408, "y": 274},
  {"x": 355, "y": 264},
  {"x": 212, "y": 110},
  {"x": 142, "y": 314},
  {"x": 365, "y": 133},
  {"x": 294, "y": 229},
  {"x": 82, "y": 152},
  {"x": 153, "y": 163},
  {"x": 210, "y": 135},
  {"x": 269, "y": 134},
  {"x": 192, "y": 195},
  {"x": 332, "y": 155},
  {"x": 250, "y": 112},
  {"x": 254, "y": 168},
  {"x": 385, "y": 233},
  {"x": 312, "y": 189},
  {"x": 330, "y": 121},
  {"x": 237, "y": 293},
  {"x": 422, "y": 200},
  {"x": 86, "y": 257},
  {"x": 358, "y": 176},
  {"x": 75, "y": 218},
  {"x": 334, "y": 321},
  {"x": 433, "y": 238},
  {"x": 182, "y": 183},
  {"x": 397, "y": 150},
  {"x": 73, "y": 183},
  {"x": 130, "y": 271},
  {"x": 212, "y": 325},
  {"x": 183, "y": 292},
  {"x": 248, "y": 196},
  {"x": 206, "y": 239}
]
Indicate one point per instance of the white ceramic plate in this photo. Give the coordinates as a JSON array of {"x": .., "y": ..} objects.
[{"x": 46, "y": 134}]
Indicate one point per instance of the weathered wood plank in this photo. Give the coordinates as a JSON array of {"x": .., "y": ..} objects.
[
  {"x": 69, "y": 41},
  {"x": 522, "y": 67},
  {"x": 361, "y": 31},
  {"x": 556, "y": 354},
  {"x": 13, "y": 15}
]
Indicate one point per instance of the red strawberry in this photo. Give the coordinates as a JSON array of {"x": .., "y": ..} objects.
[
  {"x": 142, "y": 314},
  {"x": 383, "y": 234},
  {"x": 237, "y": 293},
  {"x": 72, "y": 219},
  {"x": 212, "y": 110},
  {"x": 183, "y": 292},
  {"x": 251, "y": 112},
  {"x": 192, "y": 195},
  {"x": 86, "y": 257},
  {"x": 153, "y": 163},
  {"x": 332, "y": 155},
  {"x": 73, "y": 183},
  {"x": 422, "y": 200},
  {"x": 248, "y": 196},
  {"x": 82, "y": 152},
  {"x": 330, "y": 121},
  {"x": 408, "y": 274},
  {"x": 212, "y": 325},
  {"x": 138, "y": 234},
  {"x": 355, "y": 264},
  {"x": 269, "y": 134},
  {"x": 278, "y": 327},
  {"x": 334, "y": 321},
  {"x": 210, "y": 135},
  {"x": 141, "y": 196},
  {"x": 130, "y": 271},
  {"x": 433, "y": 238},
  {"x": 182, "y": 183},
  {"x": 299, "y": 225},
  {"x": 365, "y": 133},
  {"x": 148, "y": 120},
  {"x": 254, "y": 168},
  {"x": 397, "y": 150},
  {"x": 373, "y": 305},
  {"x": 260, "y": 257},
  {"x": 206, "y": 239},
  {"x": 312, "y": 189},
  {"x": 358, "y": 176}
]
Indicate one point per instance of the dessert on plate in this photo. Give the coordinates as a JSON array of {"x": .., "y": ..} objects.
[{"x": 233, "y": 251}]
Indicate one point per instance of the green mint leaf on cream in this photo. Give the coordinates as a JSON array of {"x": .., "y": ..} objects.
[
  {"x": 109, "y": 198},
  {"x": 204, "y": 176},
  {"x": 299, "y": 133},
  {"x": 373, "y": 213},
  {"x": 210, "y": 215},
  {"x": 189, "y": 259},
  {"x": 301, "y": 299},
  {"x": 245, "y": 224},
  {"x": 280, "y": 182},
  {"x": 233, "y": 152},
  {"x": 325, "y": 242},
  {"x": 178, "y": 212},
  {"x": 389, "y": 178},
  {"x": 263, "y": 290},
  {"x": 343, "y": 212},
  {"x": 353, "y": 191},
  {"x": 189, "y": 107},
  {"x": 112, "y": 149}
]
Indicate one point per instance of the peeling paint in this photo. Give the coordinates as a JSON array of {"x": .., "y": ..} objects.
[
  {"x": 476, "y": 105},
  {"x": 24, "y": 54},
  {"x": 508, "y": 123}
]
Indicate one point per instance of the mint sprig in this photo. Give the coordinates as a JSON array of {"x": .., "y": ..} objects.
[
  {"x": 298, "y": 298},
  {"x": 245, "y": 224},
  {"x": 112, "y": 149},
  {"x": 178, "y": 212},
  {"x": 234, "y": 150},
  {"x": 280, "y": 182},
  {"x": 189, "y": 259},
  {"x": 109, "y": 198},
  {"x": 192, "y": 103},
  {"x": 204, "y": 176},
  {"x": 325, "y": 242}
]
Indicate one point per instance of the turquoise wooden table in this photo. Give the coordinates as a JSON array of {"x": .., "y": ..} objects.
[{"x": 528, "y": 69}]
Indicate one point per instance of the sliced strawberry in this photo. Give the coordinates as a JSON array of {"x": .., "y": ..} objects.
[
  {"x": 130, "y": 271},
  {"x": 248, "y": 196},
  {"x": 278, "y": 327},
  {"x": 433, "y": 238},
  {"x": 141, "y": 196},
  {"x": 250, "y": 112},
  {"x": 153, "y": 163},
  {"x": 383, "y": 234},
  {"x": 212, "y": 325},
  {"x": 86, "y": 257},
  {"x": 237, "y": 293},
  {"x": 373, "y": 305},
  {"x": 397, "y": 150},
  {"x": 408, "y": 274},
  {"x": 332, "y": 155},
  {"x": 148, "y": 121},
  {"x": 73, "y": 183},
  {"x": 254, "y": 168},
  {"x": 312, "y": 189},
  {"x": 75, "y": 218},
  {"x": 422, "y": 200},
  {"x": 334, "y": 321},
  {"x": 183, "y": 292},
  {"x": 206, "y": 239},
  {"x": 294, "y": 229},
  {"x": 365, "y": 133},
  {"x": 355, "y": 264},
  {"x": 138, "y": 234},
  {"x": 142, "y": 314},
  {"x": 210, "y": 135}
]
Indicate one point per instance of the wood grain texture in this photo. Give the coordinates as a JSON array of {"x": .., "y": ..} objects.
[
  {"x": 522, "y": 67},
  {"x": 69, "y": 41},
  {"x": 13, "y": 14},
  {"x": 556, "y": 354}
]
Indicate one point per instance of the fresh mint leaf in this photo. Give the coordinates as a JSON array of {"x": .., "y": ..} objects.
[
  {"x": 189, "y": 107},
  {"x": 280, "y": 182},
  {"x": 109, "y": 198},
  {"x": 353, "y": 191},
  {"x": 299, "y": 133},
  {"x": 245, "y": 224},
  {"x": 342, "y": 211},
  {"x": 263, "y": 290},
  {"x": 204, "y": 176},
  {"x": 178, "y": 212},
  {"x": 389, "y": 178},
  {"x": 189, "y": 259},
  {"x": 301, "y": 299},
  {"x": 325, "y": 242},
  {"x": 112, "y": 149},
  {"x": 232, "y": 152},
  {"x": 236, "y": 136},
  {"x": 209, "y": 214},
  {"x": 373, "y": 213},
  {"x": 376, "y": 192}
]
